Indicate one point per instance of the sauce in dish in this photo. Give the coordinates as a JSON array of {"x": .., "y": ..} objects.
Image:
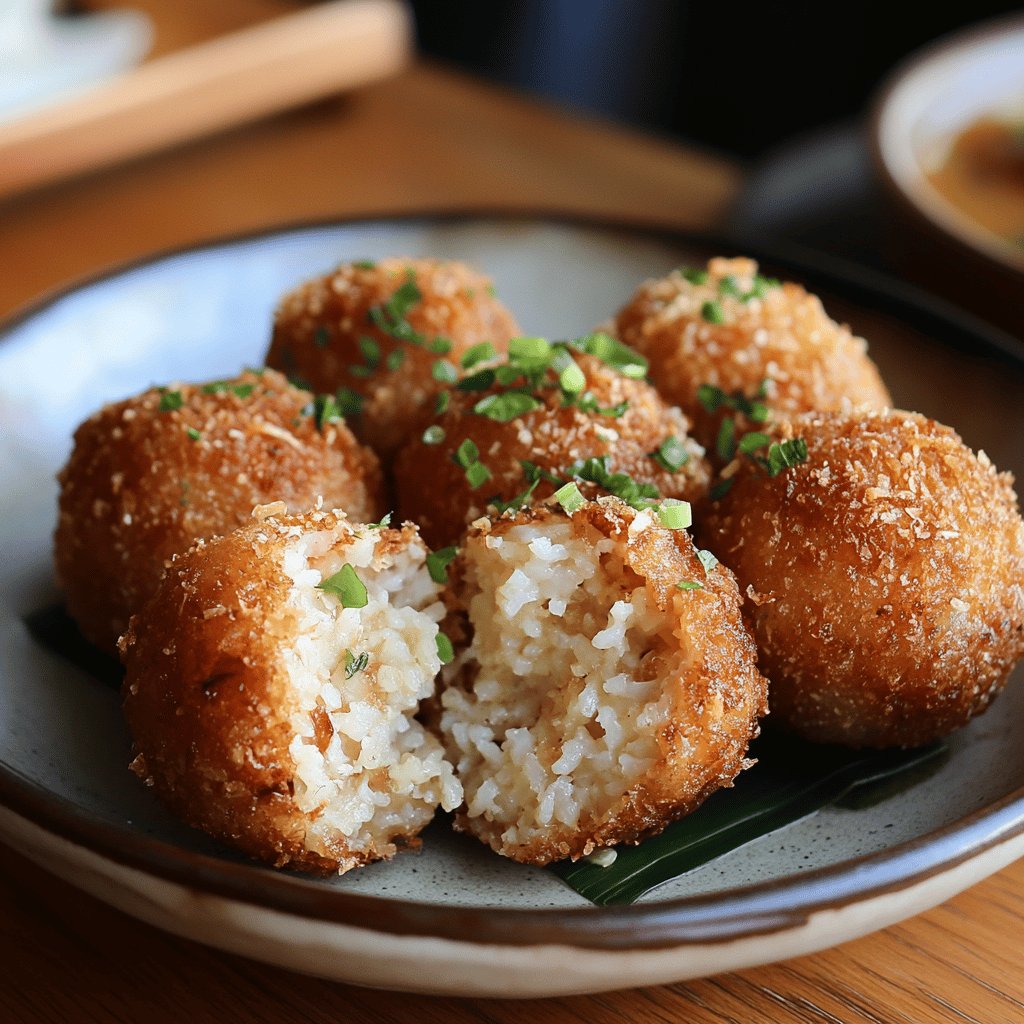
[{"x": 983, "y": 177}]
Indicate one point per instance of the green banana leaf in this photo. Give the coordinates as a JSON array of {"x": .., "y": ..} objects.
[{"x": 791, "y": 780}]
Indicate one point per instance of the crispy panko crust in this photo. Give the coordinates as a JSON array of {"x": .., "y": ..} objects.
[
  {"x": 813, "y": 363},
  {"x": 139, "y": 488},
  {"x": 433, "y": 491},
  {"x": 318, "y": 327},
  {"x": 717, "y": 699},
  {"x": 207, "y": 697},
  {"x": 886, "y": 577}
]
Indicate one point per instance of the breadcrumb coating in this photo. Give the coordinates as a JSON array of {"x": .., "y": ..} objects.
[
  {"x": 275, "y": 714},
  {"x": 318, "y": 329},
  {"x": 731, "y": 328},
  {"x": 433, "y": 490},
  {"x": 153, "y": 473},
  {"x": 886, "y": 577}
]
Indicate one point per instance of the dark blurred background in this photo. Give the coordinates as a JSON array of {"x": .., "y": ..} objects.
[{"x": 736, "y": 77}]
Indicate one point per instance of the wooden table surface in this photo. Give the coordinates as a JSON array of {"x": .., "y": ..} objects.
[{"x": 428, "y": 139}]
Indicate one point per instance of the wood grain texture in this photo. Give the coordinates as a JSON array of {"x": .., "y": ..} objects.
[{"x": 428, "y": 139}]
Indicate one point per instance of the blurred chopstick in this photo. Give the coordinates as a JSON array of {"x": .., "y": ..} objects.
[{"x": 206, "y": 88}]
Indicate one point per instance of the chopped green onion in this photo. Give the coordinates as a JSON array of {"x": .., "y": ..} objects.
[
  {"x": 466, "y": 454},
  {"x": 710, "y": 397},
  {"x": 438, "y": 562},
  {"x": 433, "y": 435},
  {"x": 750, "y": 443},
  {"x": 695, "y": 275},
  {"x": 370, "y": 349},
  {"x": 725, "y": 444},
  {"x": 350, "y": 403},
  {"x": 365, "y": 265},
  {"x": 480, "y": 381},
  {"x": 786, "y": 454},
  {"x": 321, "y": 337},
  {"x": 621, "y": 485},
  {"x": 671, "y": 454},
  {"x": 707, "y": 559},
  {"x": 529, "y": 350},
  {"x": 476, "y": 474},
  {"x": 445, "y": 651},
  {"x": 170, "y": 401},
  {"x": 477, "y": 354},
  {"x": 689, "y": 585},
  {"x": 731, "y": 287},
  {"x": 506, "y": 407},
  {"x": 588, "y": 403},
  {"x": 675, "y": 515},
  {"x": 324, "y": 409},
  {"x": 712, "y": 312},
  {"x": 390, "y": 317},
  {"x": 569, "y": 497},
  {"x": 439, "y": 346},
  {"x": 572, "y": 380},
  {"x": 613, "y": 353},
  {"x": 395, "y": 359},
  {"x": 347, "y": 587},
  {"x": 444, "y": 371},
  {"x": 194, "y": 434},
  {"x": 386, "y": 521},
  {"x": 355, "y": 663},
  {"x": 441, "y": 403}
]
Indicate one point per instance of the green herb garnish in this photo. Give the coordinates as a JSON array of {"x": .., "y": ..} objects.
[
  {"x": 707, "y": 559},
  {"x": 712, "y": 312},
  {"x": 569, "y": 497},
  {"x": 671, "y": 454},
  {"x": 621, "y": 485},
  {"x": 365, "y": 264},
  {"x": 689, "y": 585},
  {"x": 445, "y": 651},
  {"x": 441, "y": 402},
  {"x": 695, "y": 275},
  {"x": 439, "y": 346},
  {"x": 347, "y": 587},
  {"x": 477, "y": 354},
  {"x": 170, "y": 401},
  {"x": 506, "y": 407},
  {"x": 438, "y": 562},
  {"x": 355, "y": 663},
  {"x": 444, "y": 371},
  {"x": 725, "y": 443},
  {"x": 395, "y": 359},
  {"x": 390, "y": 317},
  {"x": 675, "y": 515},
  {"x": 321, "y": 337},
  {"x": 350, "y": 403},
  {"x": 194, "y": 434}
]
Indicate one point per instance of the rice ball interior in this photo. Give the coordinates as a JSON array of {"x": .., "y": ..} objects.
[
  {"x": 272, "y": 701},
  {"x": 597, "y": 701}
]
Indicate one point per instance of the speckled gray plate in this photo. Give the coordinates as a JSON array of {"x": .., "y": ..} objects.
[{"x": 455, "y": 918}]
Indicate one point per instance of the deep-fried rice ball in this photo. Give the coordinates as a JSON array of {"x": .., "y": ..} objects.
[
  {"x": 597, "y": 701},
  {"x": 272, "y": 684},
  {"x": 153, "y": 473},
  {"x": 375, "y": 331},
  {"x": 442, "y": 489},
  {"x": 728, "y": 327},
  {"x": 886, "y": 576}
]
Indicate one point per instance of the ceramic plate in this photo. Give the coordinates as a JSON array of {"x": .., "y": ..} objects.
[{"x": 455, "y": 918}]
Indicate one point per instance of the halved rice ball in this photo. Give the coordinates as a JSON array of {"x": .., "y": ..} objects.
[
  {"x": 608, "y": 686},
  {"x": 272, "y": 686}
]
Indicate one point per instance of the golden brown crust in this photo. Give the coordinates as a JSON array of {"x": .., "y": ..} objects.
[
  {"x": 317, "y": 328},
  {"x": 433, "y": 490},
  {"x": 886, "y": 576},
  {"x": 716, "y": 700},
  {"x": 208, "y": 700},
  {"x": 785, "y": 336},
  {"x": 138, "y": 487}
]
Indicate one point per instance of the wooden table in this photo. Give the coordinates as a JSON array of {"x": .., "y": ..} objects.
[{"x": 428, "y": 139}]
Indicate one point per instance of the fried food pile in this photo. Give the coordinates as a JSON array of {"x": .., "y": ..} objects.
[{"x": 611, "y": 557}]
